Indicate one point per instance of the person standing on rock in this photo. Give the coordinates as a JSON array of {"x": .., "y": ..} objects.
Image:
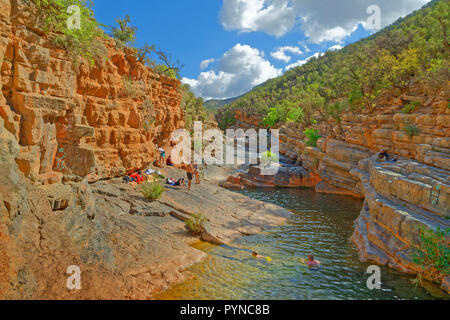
[
  {"x": 162, "y": 154},
  {"x": 197, "y": 174},
  {"x": 190, "y": 175}
]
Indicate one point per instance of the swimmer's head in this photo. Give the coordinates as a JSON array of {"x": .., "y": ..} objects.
[
  {"x": 255, "y": 254},
  {"x": 310, "y": 257}
]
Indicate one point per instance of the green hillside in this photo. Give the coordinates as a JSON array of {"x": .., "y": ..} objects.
[
  {"x": 413, "y": 49},
  {"x": 215, "y": 104}
]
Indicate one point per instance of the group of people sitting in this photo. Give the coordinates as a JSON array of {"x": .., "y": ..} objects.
[
  {"x": 192, "y": 171},
  {"x": 139, "y": 177},
  {"x": 384, "y": 156}
]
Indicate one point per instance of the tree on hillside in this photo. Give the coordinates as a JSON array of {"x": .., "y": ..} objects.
[
  {"x": 412, "y": 50},
  {"x": 169, "y": 68},
  {"x": 193, "y": 107},
  {"x": 124, "y": 33},
  {"x": 143, "y": 54}
]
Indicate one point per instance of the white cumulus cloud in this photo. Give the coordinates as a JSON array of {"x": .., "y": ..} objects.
[
  {"x": 275, "y": 17},
  {"x": 281, "y": 53},
  {"x": 239, "y": 70},
  {"x": 324, "y": 20}
]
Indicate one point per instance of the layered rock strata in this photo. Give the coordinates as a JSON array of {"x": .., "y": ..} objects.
[{"x": 73, "y": 119}]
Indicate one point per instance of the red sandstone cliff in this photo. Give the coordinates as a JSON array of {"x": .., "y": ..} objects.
[{"x": 76, "y": 120}]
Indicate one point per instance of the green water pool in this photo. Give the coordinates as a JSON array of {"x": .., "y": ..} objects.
[{"x": 322, "y": 225}]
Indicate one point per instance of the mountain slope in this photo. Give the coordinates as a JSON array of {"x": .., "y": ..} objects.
[
  {"x": 412, "y": 49},
  {"x": 215, "y": 104}
]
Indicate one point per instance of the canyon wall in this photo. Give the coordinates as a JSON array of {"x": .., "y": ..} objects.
[
  {"x": 64, "y": 126},
  {"x": 74, "y": 119},
  {"x": 401, "y": 197}
]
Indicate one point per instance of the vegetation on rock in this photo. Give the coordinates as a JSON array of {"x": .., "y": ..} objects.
[
  {"x": 124, "y": 33},
  {"x": 196, "y": 224},
  {"x": 409, "y": 108},
  {"x": 312, "y": 136},
  {"x": 193, "y": 108},
  {"x": 152, "y": 190},
  {"x": 433, "y": 254},
  {"x": 411, "y": 130},
  {"x": 80, "y": 41},
  {"x": 132, "y": 88}
]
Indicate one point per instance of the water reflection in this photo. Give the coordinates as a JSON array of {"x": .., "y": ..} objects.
[{"x": 322, "y": 226}]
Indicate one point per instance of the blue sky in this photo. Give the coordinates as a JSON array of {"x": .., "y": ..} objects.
[{"x": 247, "y": 42}]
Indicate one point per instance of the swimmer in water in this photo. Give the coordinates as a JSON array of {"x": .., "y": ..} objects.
[
  {"x": 311, "y": 261},
  {"x": 258, "y": 256}
]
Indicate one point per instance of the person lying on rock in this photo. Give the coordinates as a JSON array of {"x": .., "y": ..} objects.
[
  {"x": 311, "y": 262},
  {"x": 175, "y": 183}
]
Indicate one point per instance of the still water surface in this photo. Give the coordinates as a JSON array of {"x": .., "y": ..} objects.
[{"x": 322, "y": 225}]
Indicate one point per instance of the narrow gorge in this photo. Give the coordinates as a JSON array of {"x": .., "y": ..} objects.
[
  {"x": 74, "y": 127},
  {"x": 401, "y": 197}
]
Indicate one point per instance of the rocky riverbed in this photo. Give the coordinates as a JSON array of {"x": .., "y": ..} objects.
[{"x": 125, "y": 246}]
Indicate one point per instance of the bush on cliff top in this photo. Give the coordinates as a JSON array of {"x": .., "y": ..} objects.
[
  {"x": 82, "y": 40},
  {"x": 124, "y": 33}
]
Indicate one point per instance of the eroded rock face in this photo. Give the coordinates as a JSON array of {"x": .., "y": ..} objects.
[
  {"x": 125, "y": 246},
  {"x": 400, "y": 197},
  {"x": 120, "y": 255},
  {"x": 400, "y": 200},
  {"x": 74, "y": 120}
]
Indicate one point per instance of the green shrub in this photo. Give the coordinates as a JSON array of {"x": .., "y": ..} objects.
[
  {"x": 411, "y": 130},
  {"x": 196, "y": 224},
  {"x": 269, "y": 156},
  {"x": 131, "y": 88},
  {"x": 225, "y": 117},
  {"x": 152, "y": 191},
  {"x": 410, "y": 107},
  {"x": 312, "y": 136},
  {"x": 433, "y": 254},
  {"x": 272, "y": 118},
  {"x": 124, "y": 34}
]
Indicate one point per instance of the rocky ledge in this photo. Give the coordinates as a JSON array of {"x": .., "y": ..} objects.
[
  {"x": 125, "y": 246},
  {"x": 400, "y": 199},
  {"x": 286, "y": 177}
]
